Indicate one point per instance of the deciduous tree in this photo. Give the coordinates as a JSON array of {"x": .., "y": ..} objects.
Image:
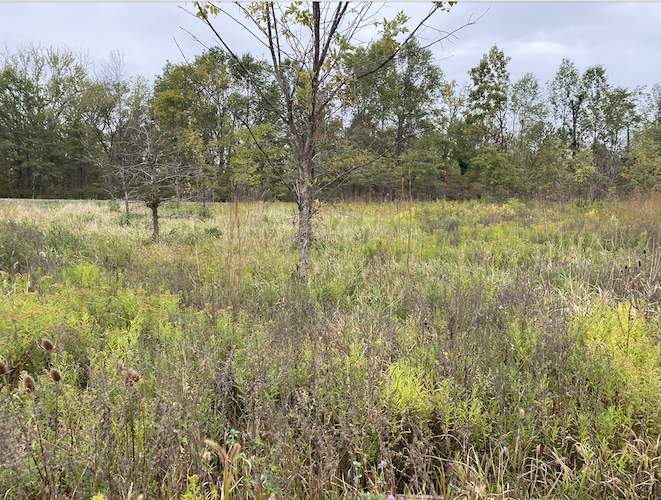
[
  {"x": 41, "y": 93},
  {"x": 567, "y": 96},
  {"x": 309, "y": 47},
  {"x": 488, "y": 98},
  {"x": 114, "y": 107}
]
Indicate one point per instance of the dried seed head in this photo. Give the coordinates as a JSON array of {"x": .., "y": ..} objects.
[
  {"x": 206, "y": 457},
  {"x": 47, "y": 345},
  {"x": 55, "y": 374},
  {"x": 28, "y": 383},
  {"x": 3, "y": 368},
  {"x": 640, "y": 263},
  {"x": 522, "y": 412},
  {"x": 234, "y": 452},
  {"x": 132, "y": 377},
  {"x": 217, "y": 448}
]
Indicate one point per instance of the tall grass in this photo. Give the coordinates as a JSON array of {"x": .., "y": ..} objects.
[{"x": 466, "y": 350}]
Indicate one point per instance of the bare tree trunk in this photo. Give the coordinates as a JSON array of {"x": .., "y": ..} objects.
[
  {"x": 305, "y": 211},
  {"x": 399, "y": 145},
  {"x": 154, "y": 218},
  {"x": 153, "y": 201}
]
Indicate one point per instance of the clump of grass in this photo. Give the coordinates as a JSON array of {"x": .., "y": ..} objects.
[{"x": 20, "y": 244}]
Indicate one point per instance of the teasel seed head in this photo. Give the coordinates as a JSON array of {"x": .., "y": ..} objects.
[
  {"x": 28, "y": 383},
  {"x": 3, "y": 368},
  {"x": 55, "y": 374},
  {"x": 132, "y": 377},
  {"x": 47, "y": 345}
]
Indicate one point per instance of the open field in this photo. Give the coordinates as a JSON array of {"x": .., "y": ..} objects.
[{"x": 465, "y": 350}]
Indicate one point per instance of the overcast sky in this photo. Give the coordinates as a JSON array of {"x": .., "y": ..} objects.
[{"x": 623, "y": 36}]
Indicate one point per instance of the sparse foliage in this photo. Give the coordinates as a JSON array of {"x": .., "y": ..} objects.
[{"x": 310, "y": 46}]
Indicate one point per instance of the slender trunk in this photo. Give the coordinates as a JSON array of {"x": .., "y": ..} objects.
[
  {"x": 154, "y": 218},
  {"x": 153, "y": 201},
  {"x": 305, "y": 210},
  {"x": 399, "y": 146}
]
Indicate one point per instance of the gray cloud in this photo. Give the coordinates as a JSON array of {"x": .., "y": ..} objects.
[{"x": 622, "y": 36}]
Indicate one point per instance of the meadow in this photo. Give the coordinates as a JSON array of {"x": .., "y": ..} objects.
[{"x": 463, "y": 350}]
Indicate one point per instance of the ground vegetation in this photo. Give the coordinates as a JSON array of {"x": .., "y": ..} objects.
[{"x": 466, "y": 349}]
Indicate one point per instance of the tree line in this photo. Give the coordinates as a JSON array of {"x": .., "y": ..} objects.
[{"x": 208, "y": 130}]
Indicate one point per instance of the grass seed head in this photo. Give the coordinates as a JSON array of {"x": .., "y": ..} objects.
[
  {"x": 28, "y": 383},
  {"x": 234, "y": 452},
  {"x": 220, "y": 451}
]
